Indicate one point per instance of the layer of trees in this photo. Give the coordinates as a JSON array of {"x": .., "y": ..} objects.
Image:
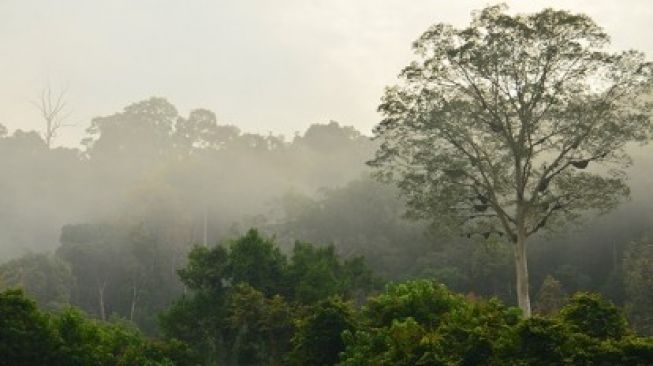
[
  {"x": 246, "y": 303},
  {"x": 139, "y": 240},
  {"x": 149, "y": 164},
  {"x": 147, "y": 222}
]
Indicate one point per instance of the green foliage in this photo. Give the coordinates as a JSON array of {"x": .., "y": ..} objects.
[
  {"x": 243, "y": 327},
  {"x": 634, "y": 351},
  {"x": 258, "y": 262},
  {"x": 260, "y": 327},
  {"x": 23, "y": 331},
  {"x": 47, "y": 279},
  {"x": 594, "y": 316},
  {"x": 423, "y": 300},
  {"x": 587, "y": 331},
  {"x": 206, "y": 269},
  {"x": 550, "y": 341},
  {"x": 68, "y": 338},
  {"x": 404, "y": 343},
  {"x": 197, "y": 321},
  {"x": 422, "y": 323},
  {"x": 158, "y": 353},
  {"x": 413, "y": 323},
  {"x": 539, "y": 341},
  {"x": 550, "y": 298},
  {"x": 316, "y": 273},
  {"x": 87, "y": 342},
  {"x": 474, "y": 333},
  {"x": 638, "y": 279},
  {"x": 318, "y": 336},
  {"x": 83, "y": 341},
  {"x": 245, "y": 298}
]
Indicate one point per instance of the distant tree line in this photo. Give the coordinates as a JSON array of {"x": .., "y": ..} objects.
[{"x": 149, "y": 164}]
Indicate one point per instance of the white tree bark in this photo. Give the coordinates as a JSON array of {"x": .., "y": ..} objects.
[{"x": 521, "y": 270}]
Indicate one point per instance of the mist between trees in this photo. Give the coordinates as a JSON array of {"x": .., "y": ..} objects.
[
  {"x": 239, "y": 248},
  {"x": 149, "y": 183}
]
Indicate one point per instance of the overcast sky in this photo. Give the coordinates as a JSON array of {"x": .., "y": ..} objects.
[{"x": 261, "y": 65}]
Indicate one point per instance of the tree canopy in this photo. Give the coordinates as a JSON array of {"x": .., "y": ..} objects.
[{"x": 514, "y": 123}]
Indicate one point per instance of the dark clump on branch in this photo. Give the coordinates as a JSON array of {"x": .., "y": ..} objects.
[
  {"x": 544, "y": 184},
  {"x": 580, "y": 164},
  {"x": 496, "y": 127},
  {"x": 484, "y": 234},
  {"x": 480, "y": 207},
  {"x": 454, "y": 173}
]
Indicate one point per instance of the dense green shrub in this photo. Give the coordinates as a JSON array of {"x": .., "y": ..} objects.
[
  {"x": 317, "y": 339},
  {"x": 422, "y": 323},
  {"x": 30, "y": 337},
  {"x": 246, "y": 298},
  {"x": 594, "y": 316},
  {"x": 23, "y": 329}
]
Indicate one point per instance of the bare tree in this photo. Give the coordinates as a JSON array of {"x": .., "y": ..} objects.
[{"x": 52, "y": 106}]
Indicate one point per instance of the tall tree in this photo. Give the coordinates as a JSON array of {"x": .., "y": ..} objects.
[{"x": 494, "y": 125}]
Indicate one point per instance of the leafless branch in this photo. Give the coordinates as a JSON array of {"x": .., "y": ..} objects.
[{"x": 51, "y": 105}]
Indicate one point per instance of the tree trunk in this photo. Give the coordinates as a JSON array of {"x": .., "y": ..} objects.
[
  {"x": 206, "y": 237},
  {"x": 133, "y": 307},
  {"x": 101, "y": 301},
  {"x": 48, "y": 134},
  {"x": 235, "y": 347},
  {"x": 521, "y": 267}
]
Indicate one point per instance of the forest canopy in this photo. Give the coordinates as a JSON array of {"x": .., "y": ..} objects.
[{"x": 499, "y": 214}]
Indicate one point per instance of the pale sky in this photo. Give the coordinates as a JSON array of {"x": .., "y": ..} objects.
[{"x": 261, "y": 65}]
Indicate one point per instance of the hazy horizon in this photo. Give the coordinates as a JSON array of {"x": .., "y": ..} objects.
[{"x": 264, "y": 67}]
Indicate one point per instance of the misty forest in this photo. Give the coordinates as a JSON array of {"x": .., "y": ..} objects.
[{"x": 499, "y": 213}]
